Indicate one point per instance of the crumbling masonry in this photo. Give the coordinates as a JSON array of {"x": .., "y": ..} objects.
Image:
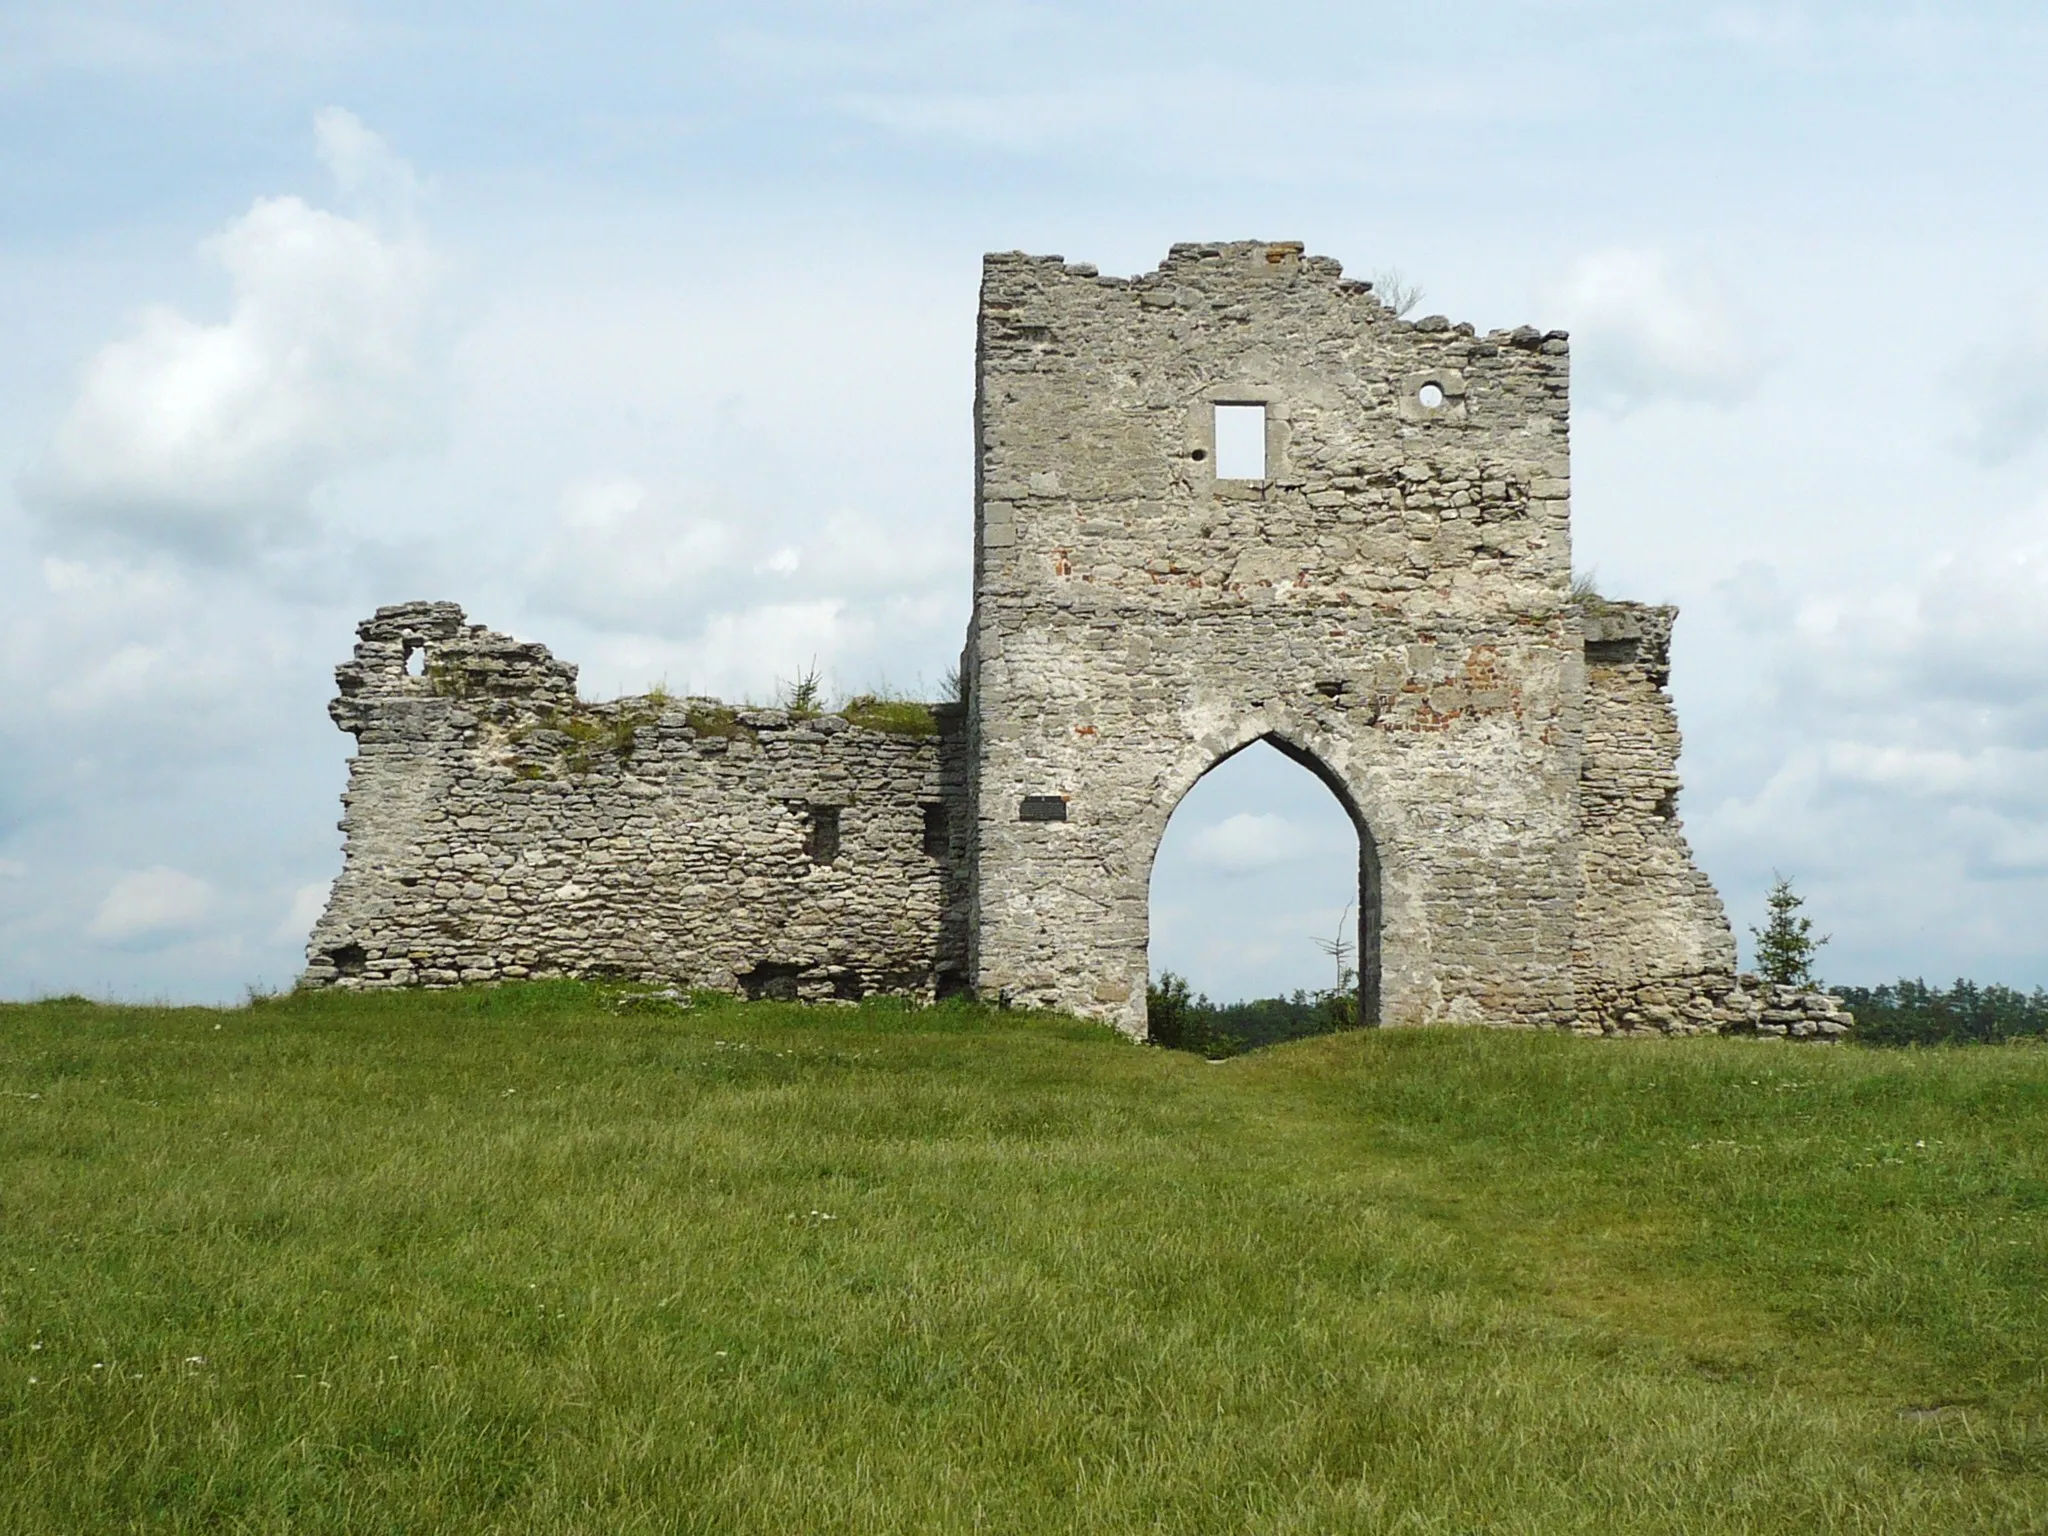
[{"x": 1384, "y": 594}]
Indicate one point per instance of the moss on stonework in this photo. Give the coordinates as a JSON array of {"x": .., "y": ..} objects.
[
  {"x": 898, "y": 717},
  {"x": 448, "y": 680},
  {"x": 716, "y": 720},
  {"x": 593, "y": 734}
]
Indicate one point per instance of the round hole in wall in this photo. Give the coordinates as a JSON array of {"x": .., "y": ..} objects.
[
  {"x": 1199, "y": 454},
  {"x": 1430, "y": 397}
]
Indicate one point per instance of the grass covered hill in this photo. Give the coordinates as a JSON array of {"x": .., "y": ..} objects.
[{"x": 514, "y": 1261}]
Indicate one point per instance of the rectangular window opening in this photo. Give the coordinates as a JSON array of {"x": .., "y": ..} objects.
[
  {"x": 1240, "y": 442},
  {"x": 937, "y": 833},
  {"x": 821, "y": 841}
]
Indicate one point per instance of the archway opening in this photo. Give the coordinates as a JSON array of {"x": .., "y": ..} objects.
[{"x": 1264, "y": 907}]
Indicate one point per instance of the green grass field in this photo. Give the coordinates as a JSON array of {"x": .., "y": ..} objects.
[{"x": 510, "y": 1261}]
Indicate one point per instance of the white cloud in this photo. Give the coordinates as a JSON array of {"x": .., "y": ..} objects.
[
  {"x": 2006, "y": 849},
  {"x": 1936, "y": 772},
  {"x": 308, "y": 902},
  {"x": 129, "y": 647},
  {"x": 737, "y": 606},
  {"x": 1963, "y": 652},
  {"x": 856, "y": 553},
  {"x": 210, "y": 438},
  {"x": 2003, "y": 390},
  {"x": 1894, "y": 756},
  {"x": 364, "y": 167},
  {"x": 1249, "y": 841},
  {"x": 1644, "y": 329},
  {"x": 152, "y": 903},
  {"x": 623, "y": 559},
  {"x": 749, "y": 651}
]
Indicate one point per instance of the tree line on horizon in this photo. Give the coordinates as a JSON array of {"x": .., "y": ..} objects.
[{"x": 1900, "y": 1013}]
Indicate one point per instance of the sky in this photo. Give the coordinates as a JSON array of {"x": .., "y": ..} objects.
[{"x": 647, "y": 332}]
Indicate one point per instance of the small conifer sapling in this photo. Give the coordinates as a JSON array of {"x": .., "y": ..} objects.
[
  {"x": 1785, "y": 945},
  {"x": 806, "y": 695}
]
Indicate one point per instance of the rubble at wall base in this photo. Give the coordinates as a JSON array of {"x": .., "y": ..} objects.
[{"x": 1713, "y": 1003}]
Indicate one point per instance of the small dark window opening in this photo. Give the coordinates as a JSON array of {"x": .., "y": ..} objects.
[
  {"x": 1611, "y": 653},
  {"x": 1043, "y": 808},
  {"x": 821, "y": 839},
  {"x": 937, "y": 835},
  {"x": 1667, "y": 805}
]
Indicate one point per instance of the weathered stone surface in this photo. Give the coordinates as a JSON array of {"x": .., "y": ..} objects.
[
  {"x": 1389, "y": 603},
  {"x": 498, "y": 828}
]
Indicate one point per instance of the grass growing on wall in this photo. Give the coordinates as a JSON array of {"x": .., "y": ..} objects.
[
  {"x": 512, "y": 1261},
  {"x": 898, "y": 717},
  {"x": 709, "y": 719}
]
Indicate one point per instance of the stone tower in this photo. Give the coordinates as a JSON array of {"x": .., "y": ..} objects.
[{"x": 1384, "y": 594}]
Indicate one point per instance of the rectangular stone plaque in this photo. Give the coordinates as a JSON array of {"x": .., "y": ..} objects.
[{"x": 1043, "y": 808}]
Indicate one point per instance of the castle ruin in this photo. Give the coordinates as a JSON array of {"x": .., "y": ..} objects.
[{"x": 1382, "y": 591}]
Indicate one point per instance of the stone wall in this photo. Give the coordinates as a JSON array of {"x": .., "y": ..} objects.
[
  {"x": 497, "y": 827},
  {"x": 1385, "y": 595},
  {"x": 1651, "y": 943}
]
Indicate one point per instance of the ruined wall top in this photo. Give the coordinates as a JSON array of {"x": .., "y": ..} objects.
[
  {"x": 428, "y": 650},
  {"x": 1406, "y": 465},
  {"x": 1629, "y": 634}
]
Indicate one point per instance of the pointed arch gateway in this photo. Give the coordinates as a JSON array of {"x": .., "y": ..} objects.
[{"x": 1366, "y": 900}]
